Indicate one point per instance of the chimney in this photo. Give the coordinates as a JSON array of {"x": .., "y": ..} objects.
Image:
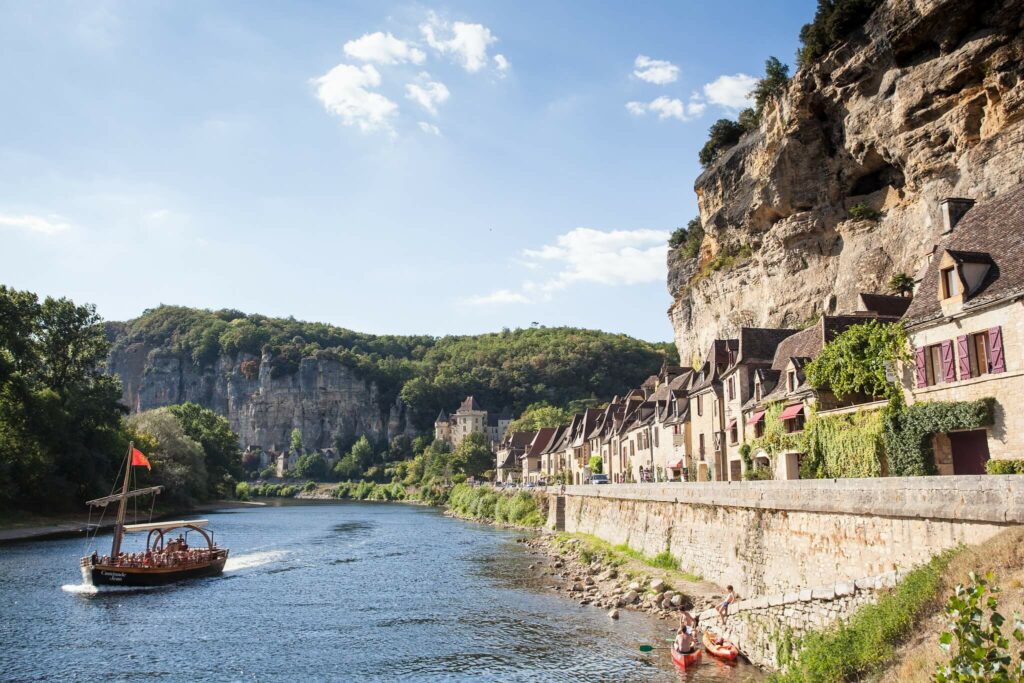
[{"x": 953, "y": 209}]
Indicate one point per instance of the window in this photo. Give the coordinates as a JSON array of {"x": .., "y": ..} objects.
[
  {"x": 979, "y": 354},
  {"x": 655, "y": 437},
  {"x": 700, "y": 438},
  {"x": 791, "y": 380},
  {"x": 759, "y": 429},
  {"x": 732, "y": 388},
  {"x": 700, "y": 405},
  {"x": 796, "y": 424},
  {"x": 734, "y": 434},
  {"x": 757, "y": 391},
  {"x": 950, "y": 283}
]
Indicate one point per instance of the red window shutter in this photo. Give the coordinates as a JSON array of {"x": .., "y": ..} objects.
[
  {"x": 995, "y": 345},
  {"x": 922, "y": 369},
  {"x": 948, "y": 362},
  {"x": 963, "y": 350}
]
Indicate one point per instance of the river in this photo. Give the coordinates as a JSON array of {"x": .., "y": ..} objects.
[{"x": 328, "y": 591}]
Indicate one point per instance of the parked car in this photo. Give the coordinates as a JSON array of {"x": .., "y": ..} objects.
[{"x": 599, "y": 479}]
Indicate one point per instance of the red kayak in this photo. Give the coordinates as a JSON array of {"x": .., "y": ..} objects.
[
  {"x": 687, "y": 660},
  {"x": 724, "y": 650}
]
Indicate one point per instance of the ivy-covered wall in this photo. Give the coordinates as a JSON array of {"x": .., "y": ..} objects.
[
  {"x": 842, "y": 446},
  {"x": 909, "y": 432}
]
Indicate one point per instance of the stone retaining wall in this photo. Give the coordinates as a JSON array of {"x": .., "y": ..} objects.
[
  {"x": 778, "y": 537},
  {"x": 764, "y": 628}
]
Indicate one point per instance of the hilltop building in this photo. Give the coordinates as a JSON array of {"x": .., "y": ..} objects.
[{"x": 468, "y": 419}]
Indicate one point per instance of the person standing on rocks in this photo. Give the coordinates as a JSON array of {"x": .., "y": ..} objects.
[{"x": 723, "y": 609}]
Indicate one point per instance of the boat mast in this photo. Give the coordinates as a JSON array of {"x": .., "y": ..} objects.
[{"x": 115, "y": 548}]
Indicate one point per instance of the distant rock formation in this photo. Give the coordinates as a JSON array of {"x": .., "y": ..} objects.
[
  {"x": 324, "y": 399},
  {"x": 926, "y": 103}
]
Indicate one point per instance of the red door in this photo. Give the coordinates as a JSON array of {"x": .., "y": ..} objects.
[{"x": 970, "y": 451}]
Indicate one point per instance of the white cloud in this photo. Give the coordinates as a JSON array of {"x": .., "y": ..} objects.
[
  {"x": 669, "y": 107},
  {"x": 499, "y": 296},
  {"x": 656, "y": 71},
  {"x": 427, "y": 93},
  {"x": 467, "y": 43},
  {"x": 429, "y": 128},
  {"x": 383, "y": 48},
  {"x": 49, "y": 225},
  {"x": 501, "y": 64},
  {"x": 612, "y": 258},
  {"x": 344, "y": 92},
  {"x": 732, "y": 92}
]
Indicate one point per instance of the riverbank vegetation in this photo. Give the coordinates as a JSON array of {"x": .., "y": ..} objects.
[
  {"x": 486, "y": 504},
  {"x": 622, "y": 555},
  {"x": 63, "y": 431},
  {"x": 900, "y": 638}
]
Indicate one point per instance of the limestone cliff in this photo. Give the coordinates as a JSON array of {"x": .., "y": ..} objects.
[
  {"x": 324, "y": 399},
  {"x": 926, "y": 102}
]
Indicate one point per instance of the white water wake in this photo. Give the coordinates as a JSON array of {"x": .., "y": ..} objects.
[
  {"x": 80, "y": 588},
  {"x": 254, "y": 560}
]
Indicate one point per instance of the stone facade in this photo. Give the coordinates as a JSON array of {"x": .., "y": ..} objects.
[
  {"x": 779, "y": 536},
  {"x": 471, "y": 418}
]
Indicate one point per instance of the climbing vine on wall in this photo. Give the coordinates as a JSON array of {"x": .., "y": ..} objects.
[
  {"x": 844, "y": 446},
  {"x": 775, "y": 439},
  {"x": 909, "y": 432}
]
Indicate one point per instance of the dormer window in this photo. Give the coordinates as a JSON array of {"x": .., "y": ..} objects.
[
  {"x": 791, "y": 380},
  {"x": 950, "y": 283}
]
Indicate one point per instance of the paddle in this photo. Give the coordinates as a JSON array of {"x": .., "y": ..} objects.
[{"x": 648, "y": 648}]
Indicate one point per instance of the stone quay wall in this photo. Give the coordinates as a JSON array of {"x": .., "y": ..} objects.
[
  {"x": 769, "y": 537},
  {"x": 766, "y": 628}
]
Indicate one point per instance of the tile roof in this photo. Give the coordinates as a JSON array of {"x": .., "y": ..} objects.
[
  {"x": 991, "y": 229},
  {"x": 542, "y": 439},
  {"x": 759, "y": 343},
  {"x": 469, "y": 404},
  {"x": 885, "y": 304}
]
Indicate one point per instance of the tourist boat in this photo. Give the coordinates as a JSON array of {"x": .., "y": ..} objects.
[
  {"x": 724, "y": 650},
  {"x": 687, "y": 660},
  {"x": 166, "y": 559}
]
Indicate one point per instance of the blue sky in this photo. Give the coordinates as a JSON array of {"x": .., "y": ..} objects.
[{"x": 388, "y": 167}]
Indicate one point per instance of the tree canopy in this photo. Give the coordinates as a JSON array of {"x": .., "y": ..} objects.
[{"x": 540, "y": 415}]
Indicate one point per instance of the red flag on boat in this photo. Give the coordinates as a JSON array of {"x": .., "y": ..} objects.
[{"x": 139, "y": 460}]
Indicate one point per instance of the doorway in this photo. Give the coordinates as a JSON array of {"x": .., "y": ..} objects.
[{"x": 970, "y": 451}]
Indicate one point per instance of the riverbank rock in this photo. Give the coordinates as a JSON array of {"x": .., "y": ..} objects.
[{"x": 614, "y": 613}]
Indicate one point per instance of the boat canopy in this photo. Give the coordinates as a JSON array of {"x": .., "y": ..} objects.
[{"x": 165, "y": 526}]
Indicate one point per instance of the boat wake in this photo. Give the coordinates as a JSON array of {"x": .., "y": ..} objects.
[
  {"x": 89, "y": 589},
  {"x": 253, "y": 560},
  {"x": 80, "y": 588}
]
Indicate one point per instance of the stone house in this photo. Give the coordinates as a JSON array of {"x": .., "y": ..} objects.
[
  {"x": 707, "y": 411},
  {"x": 579, "y": 444},
  {"x": 510, "y": 450},
  {"x": 966, "y": 327},
  {"x": 756, "y": 352},
  {"x": 530, "y": 459},
  {"x": 552, "y": 459},
  {"x": 785, "y": 382},
  {"x": 468, "y": 419}
]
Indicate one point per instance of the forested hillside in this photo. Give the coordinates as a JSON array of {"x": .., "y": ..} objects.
[{"x": 269, "y": 375}]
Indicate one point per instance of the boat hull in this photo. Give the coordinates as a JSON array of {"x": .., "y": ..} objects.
[
  {"x": 152, "y": 576},
  {"x": 685, "y": 661},
  {"x": 726, "y": 650}
]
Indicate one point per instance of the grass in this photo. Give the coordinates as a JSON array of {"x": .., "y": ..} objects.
[
  {"x": 620, "y": 555},
  {"x": 864, "y": 644}
]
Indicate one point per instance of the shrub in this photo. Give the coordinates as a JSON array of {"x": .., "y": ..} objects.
[
  {"x": 982, "y": 652},
  {"x": 909, "y": 432},
  {"x": 833, "y": 22},
  {"x": 759, "y": 473},
  {"x": 688, "y": 239},
  {"x": 901, "y": 284},
  {"x": 855, "y": 362},
  {"x": 242, "y": 491},
  {"x": 863, "y": 212},
  {"x": 664, "y": 560},
  {"x": 722, "y": 135},
  {"x": 1005, "y": 466},
  {"x": 845, "y": 445},
  {"x": 772, "y": 86},
  {"x": 310, "y": 486}
]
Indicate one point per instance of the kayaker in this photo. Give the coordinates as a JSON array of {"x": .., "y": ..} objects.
[
  {"x": 723, "y": 609},
  {"x": 684, "y": 642}
]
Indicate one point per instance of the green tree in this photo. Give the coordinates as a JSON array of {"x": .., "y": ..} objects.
[
  {"x": 473, "y": 456},
  {"x": 363, "y": 452},
  {"x": 688, "y": 239},
  {"x": 901, "y": 284},
  {"x": 856, "y": 361},
  {"x": 296, "y": 440},
  {"x": 722, "y": 135},
  {"x": 595, "y": 464},
  {"x": 833, "y": 21},
  {"x": 178, "y": 461},
  {"x": 310, "y": 466},
  {"x": 771, "y": 86},
  {"x": 749, "y": 119},
  {"x": 220, "y": 445},
  {"x": 539, "y": 415},
  {"x": 347, "y": 468},
  {"x": 400, "y": 448}
]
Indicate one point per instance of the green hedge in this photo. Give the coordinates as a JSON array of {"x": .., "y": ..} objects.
[
  {"x": 368, "y": 490},
  {"x": 1005, "y": 467},
  {"x": 908, "y": 432},
  {"x": 486, "y": 504}
]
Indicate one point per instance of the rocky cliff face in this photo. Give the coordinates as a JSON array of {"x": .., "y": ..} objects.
[
  {"x": 926, "y": 103},
  {"x": 323, "y": 398}
]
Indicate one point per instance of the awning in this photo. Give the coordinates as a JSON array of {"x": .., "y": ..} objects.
[
  {"x": 164, "y": 526},
  {"x": 792, "y": 411},
  {"x": 756, "y": 417},
  {"x": 677, "y": 465},
  {"x": 732, "y": 423}
]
